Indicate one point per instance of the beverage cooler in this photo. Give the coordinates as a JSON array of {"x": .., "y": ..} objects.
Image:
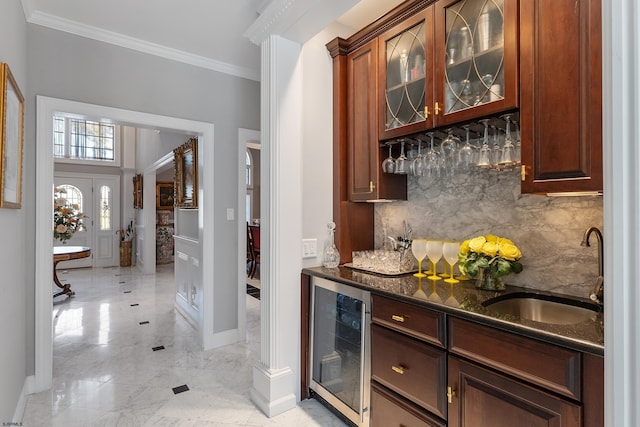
[{"x": 340, "y": 366}]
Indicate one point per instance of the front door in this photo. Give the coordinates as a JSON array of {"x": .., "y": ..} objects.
[{"x": 98, "y": 197}]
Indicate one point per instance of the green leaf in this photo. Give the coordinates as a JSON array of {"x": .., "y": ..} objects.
[
  {"x": 504, "y": 267},
  {"x": 482, "y": 262},
  {"x": 471, "y": 268},
  {"x": 516, "y": 267}
]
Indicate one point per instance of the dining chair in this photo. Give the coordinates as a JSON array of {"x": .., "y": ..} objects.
[{"x": 254, "y": 232}]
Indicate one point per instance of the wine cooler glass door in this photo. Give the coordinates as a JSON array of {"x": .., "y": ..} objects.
[{"x": 339, "y": 339}]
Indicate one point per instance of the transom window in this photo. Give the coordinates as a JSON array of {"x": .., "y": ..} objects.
[{"x": 80, "y": 139}]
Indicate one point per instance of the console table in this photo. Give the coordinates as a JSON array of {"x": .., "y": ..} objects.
[{"x": 67, "y": 253}]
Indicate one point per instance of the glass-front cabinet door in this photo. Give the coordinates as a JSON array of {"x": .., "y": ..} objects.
[
  {"x": 406, "y": 73},
  {"x": 476, "y": 58}
]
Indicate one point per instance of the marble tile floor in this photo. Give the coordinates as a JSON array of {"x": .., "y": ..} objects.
[{"x": 106, "y": 373}]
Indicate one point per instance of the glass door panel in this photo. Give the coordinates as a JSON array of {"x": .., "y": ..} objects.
[
  {"x": 474, "y": 52},
  {"x": 405, "y": 77}
]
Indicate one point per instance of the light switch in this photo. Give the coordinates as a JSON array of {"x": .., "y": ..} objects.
[
  {"x": 309, "y": 248},
  {"x": 230, "y": 214}
]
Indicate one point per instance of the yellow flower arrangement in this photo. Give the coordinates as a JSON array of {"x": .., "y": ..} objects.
[
  {"x": 66, "y": 217},
  {"x": 497, "y": 254}
]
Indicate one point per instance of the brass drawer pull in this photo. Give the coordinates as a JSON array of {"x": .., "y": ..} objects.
[
  {"x": 398, "y": 369},
  {"x": 397, "y": 318}
]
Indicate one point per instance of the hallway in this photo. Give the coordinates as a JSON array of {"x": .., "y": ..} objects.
[{"x": 120, "y": 349}]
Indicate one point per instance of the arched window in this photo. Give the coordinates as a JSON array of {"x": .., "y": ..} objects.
[
  {"x": 72, "y": 194},
  {"x": 249, "y": 170},
  {"x": 105, "y": 208}
]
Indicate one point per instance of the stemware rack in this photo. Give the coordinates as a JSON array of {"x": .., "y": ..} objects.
[{"x": 476, "y": 130}]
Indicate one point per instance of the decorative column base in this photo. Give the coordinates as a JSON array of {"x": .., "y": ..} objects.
[{"x": 271, "y": 391}]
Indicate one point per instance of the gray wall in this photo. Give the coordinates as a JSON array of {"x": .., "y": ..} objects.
[
  {"x": 65, "y": 66},
  {"x": 548, "y": 230},
  {"x": 14, "y": 258}
]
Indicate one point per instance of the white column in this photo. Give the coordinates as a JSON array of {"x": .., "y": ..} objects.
[
  {"x": 275, "y": 376},
  {"x": 621, "y": 118}
]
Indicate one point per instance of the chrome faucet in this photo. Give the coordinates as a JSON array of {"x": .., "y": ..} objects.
[{"x": 598, "y": 289}]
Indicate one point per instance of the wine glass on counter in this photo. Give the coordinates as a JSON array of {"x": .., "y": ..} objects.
[
  {"x": 419, "y": 250},
  {"x": 434, "y": 252},
  {"x": 450, "y": 251},
  {"x": 389, "y": 164}
]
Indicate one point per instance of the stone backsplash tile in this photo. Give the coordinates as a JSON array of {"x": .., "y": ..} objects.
[{"x": 548, "y": 230}]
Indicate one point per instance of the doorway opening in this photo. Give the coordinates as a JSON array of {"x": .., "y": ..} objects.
[{"x": 47, "y": 108}]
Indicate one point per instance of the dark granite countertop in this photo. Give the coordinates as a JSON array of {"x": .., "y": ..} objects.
[{"x": 463, "y": 300}]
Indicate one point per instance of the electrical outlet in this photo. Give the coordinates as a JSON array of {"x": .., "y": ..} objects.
[
  {"x": 309, "y": 248},
  {"x": 230, "y": 214}
]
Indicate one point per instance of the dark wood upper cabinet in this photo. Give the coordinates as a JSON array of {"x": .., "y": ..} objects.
[
  {"x": 452, "y": 62},
  {"x": 406, "y": 69},
  {"x": 476, "y": 59},
  {"x": 561, "y": 95},
  {"x": 366, "y": 179}
]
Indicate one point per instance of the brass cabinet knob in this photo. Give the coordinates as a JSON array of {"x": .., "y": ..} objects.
[
  {"x": 450, "y": 394},
  {"x": 436, "y": 109}
]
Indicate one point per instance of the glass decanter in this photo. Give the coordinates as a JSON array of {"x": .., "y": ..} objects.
[{"x": 331, "y": 256}]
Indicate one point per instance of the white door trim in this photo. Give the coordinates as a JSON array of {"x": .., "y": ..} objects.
[
  {"x": 46, "y": 108},
  {"x": 246, "y": 138}
]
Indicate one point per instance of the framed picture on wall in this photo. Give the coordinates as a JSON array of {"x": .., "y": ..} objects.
[
  {"x": 11, "y": 140},
  {"x": 164, "y": 195},
  {"x": 185, "y": 160},
  {"x": 137, "y": 191}
]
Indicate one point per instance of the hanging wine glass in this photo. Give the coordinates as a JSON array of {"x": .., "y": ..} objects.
[
  {"x": 506, "y": 159},
  {"x": 418, "y": 162},
  {"x": 432, "y": 161},
  {"x": 402, "y": 163},
  {"x": 496, "y": 150},
  {"x": 517, "y": 151},
  {"x": 484, "y": 160},
  {"x": 389, "y": 164},
  {"x": 466, "y": 154},
  {"x": 449, "y": 148}
]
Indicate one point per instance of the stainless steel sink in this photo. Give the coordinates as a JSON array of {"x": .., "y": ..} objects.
[{"x": 543, "y": 308}]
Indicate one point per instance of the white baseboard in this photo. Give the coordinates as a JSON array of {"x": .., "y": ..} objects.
[{"x": 27, "y": 388}]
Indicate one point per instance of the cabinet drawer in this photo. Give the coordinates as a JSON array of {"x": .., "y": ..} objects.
[
  {"x": 411, "y": 368},
  {"x": 409, "y": 319},
  {"x": 389, "y": 410},
  {"x": 554, "y": 368}
]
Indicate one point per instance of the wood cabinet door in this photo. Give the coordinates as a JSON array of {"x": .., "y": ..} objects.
[
  {"x": 561, "y": 95},
  {"x": 405, "y": 67},
  {"x": 482, "y": 398},
  {"x": 362, "y": 130},
  {"x": 476, "y": 59},
  {"x": 366, "y": 180}
]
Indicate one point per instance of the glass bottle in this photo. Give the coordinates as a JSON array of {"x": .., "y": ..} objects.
[{"x": 331, "y": 256}]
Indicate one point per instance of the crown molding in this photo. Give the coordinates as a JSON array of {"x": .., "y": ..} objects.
[
  {"x": 99, "y": 34},
  {"x": 27, "y": 7},
  {"x": 296, "y": 20}
]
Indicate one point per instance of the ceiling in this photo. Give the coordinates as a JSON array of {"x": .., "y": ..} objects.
[{"x": 200, "y": 32}]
